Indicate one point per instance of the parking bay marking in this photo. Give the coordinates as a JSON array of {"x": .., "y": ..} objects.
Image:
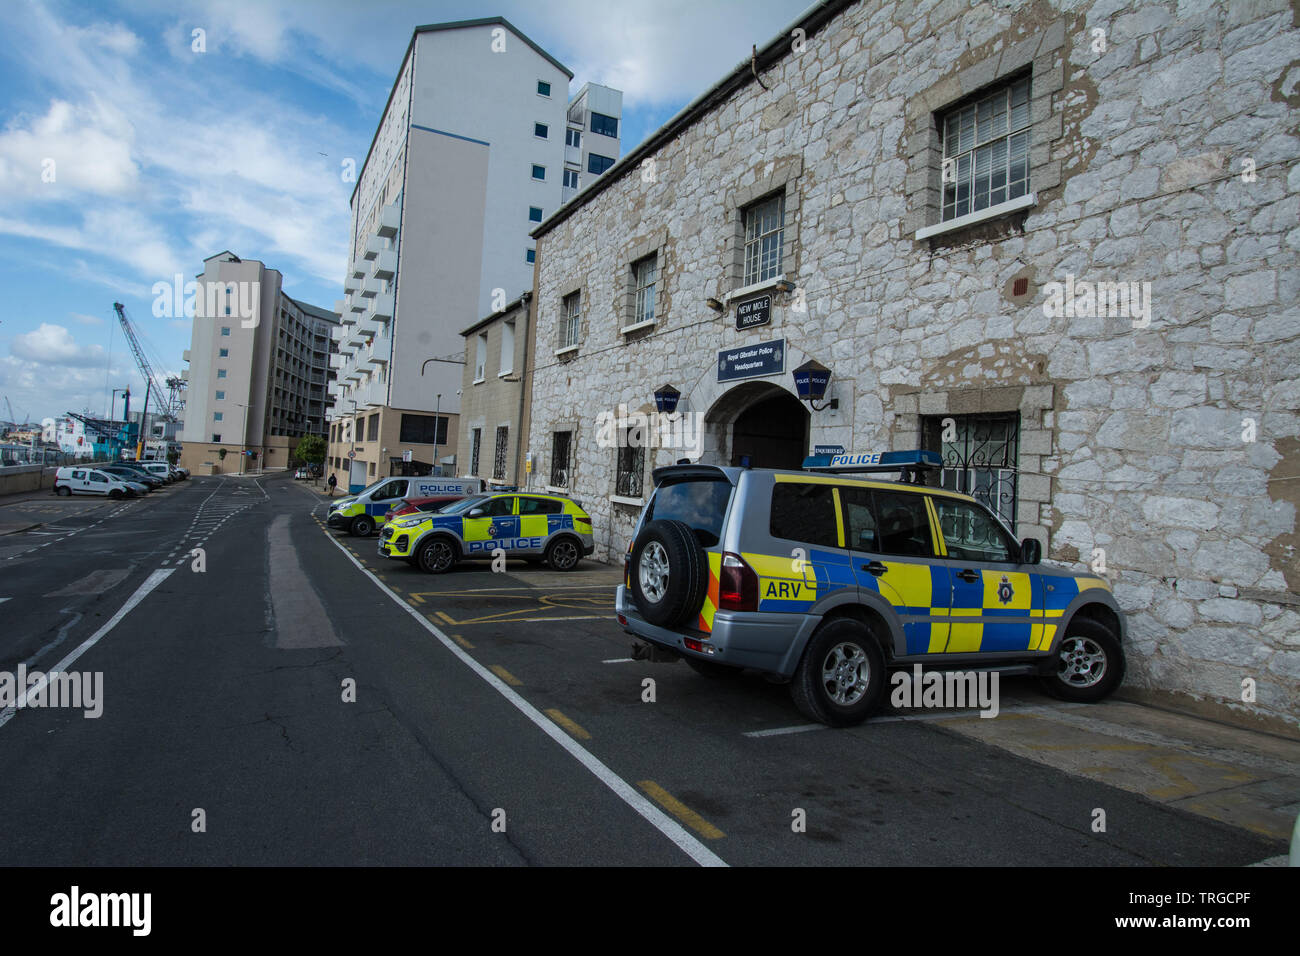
[
  {"x": 569, "y": 725},
  {"x": 680, "y": 810},
  {"x": 671, "y": 829}
]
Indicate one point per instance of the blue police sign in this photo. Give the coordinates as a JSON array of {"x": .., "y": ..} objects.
[{"x": 748, "y": 361}]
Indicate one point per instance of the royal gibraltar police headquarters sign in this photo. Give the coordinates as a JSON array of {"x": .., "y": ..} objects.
[{"x": 749, "y": 361}]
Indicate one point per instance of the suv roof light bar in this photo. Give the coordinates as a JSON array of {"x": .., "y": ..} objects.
[{"x": 912, "y": 463}]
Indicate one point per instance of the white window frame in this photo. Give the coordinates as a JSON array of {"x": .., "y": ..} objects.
[
  {"x": 995, "y": 129},
  {"x": 757, "y": 251},
  {"x": 571, "y": 321}
]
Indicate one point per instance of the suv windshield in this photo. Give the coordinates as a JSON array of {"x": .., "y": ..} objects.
[
  {"x": 465, "y": 504},
  {"x": 702, "y": 504}
]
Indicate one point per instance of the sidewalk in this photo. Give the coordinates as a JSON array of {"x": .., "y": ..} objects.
[{"x": 1243, "y": 778}]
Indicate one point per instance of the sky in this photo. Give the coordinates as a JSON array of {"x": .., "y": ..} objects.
[{"x": 128, "y": 156}]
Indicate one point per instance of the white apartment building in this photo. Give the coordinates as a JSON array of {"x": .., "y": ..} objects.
[
  {"x": 258, "y": 369},
  {"x": 592, "y": 136},
  {"x": 469, "y": 156}
]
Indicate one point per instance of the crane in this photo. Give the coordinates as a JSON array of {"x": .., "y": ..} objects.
[{"x": 151, "y": 383}]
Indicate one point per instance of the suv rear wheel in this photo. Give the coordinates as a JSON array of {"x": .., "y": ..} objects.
[
  {"x": 841, "y": 678},
  {"x": 669, "y": 573},
  {"x": 1089, "y": 663}
]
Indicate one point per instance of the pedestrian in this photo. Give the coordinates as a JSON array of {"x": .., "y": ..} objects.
[{"x": 332, "y": 482}]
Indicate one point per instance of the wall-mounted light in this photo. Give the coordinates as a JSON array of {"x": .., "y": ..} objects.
[
  {"x": 785, "y": 285},
  {"x": 666, "y": 399},
  {"x": 811, "y": 379},
  {"x": 715, "y": 305}
]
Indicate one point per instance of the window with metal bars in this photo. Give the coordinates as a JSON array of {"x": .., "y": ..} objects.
[
  {"x": 764, "y": 237},
  {"x": 499, "y": 457},
  {"x": 560, "y": 445},
  {"x": 630, "y": 470},
  {"x": 986, "y": 151},
  {"x": 475, "y": 444},
  {"x": 980, "y": 456}
]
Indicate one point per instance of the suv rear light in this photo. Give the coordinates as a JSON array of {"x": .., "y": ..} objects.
[
  {"x": 738, "y": 585},
  {"x": 627, "y": 569}
]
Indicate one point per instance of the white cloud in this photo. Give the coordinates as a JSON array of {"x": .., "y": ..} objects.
[
  {"x": 50, "y": 344},
  {"x": 71, "y": 149},
  {"x": 84, "y": 319}
]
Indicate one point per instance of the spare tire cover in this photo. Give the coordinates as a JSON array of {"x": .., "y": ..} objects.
[{"x": 669, "y": 573}]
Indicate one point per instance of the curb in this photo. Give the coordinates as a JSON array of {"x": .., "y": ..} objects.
[{"x": 4, "y": 530}]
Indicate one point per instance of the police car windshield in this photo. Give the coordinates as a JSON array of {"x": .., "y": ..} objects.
[{"x": 464, "y": 505}]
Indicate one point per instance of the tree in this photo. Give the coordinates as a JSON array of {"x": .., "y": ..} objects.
[{"x": 310, "y": 450}]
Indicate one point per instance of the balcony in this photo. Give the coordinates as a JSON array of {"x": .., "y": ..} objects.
[
  {"x": 389, "y": 219},
  {"x": 386, "y": 264},
  {"x": 381, "y": 308},
  {"x": 376, "y": 246},
  {"x": 340, "y": 305},
  {"x": 351, "y": 283},
  {"x": 356, "y": 268},
  {"x": 185, "y": 356},
  {"x": 337, "y": 360},
  {"x": 357, "y": 304},
  {"x": 371, "y": 288}
]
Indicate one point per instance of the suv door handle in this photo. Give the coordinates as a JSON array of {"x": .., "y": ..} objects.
[
  {"x": 875, "y": 567},
  {"x": 968, "y": 575}
]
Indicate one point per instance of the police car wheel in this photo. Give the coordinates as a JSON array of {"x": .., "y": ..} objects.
[
  {"x": 64, "y": 491},
  {"x": 436, "y": 556},
  {"x": 362, "y": 526},
  {"x": 668, "y": 573},
  {"x": 1089, "y": 663},
  {"x": 841, "y": 678},
  {"x": 562, "y": 555}
]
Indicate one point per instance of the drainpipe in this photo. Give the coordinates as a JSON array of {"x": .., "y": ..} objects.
[{"x": 526, "y": 300}]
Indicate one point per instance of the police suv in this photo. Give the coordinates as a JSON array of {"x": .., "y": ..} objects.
[
  {"x": 536, "y": 527},
  {"x": 826, "y": 578}
]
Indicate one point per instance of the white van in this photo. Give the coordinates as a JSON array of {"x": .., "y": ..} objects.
[
  {"x": 159, "y": 469},
  {"x": 92, "y": 481}
]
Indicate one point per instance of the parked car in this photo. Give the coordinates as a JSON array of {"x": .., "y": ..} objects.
[
  {"x": 827, "y": 580},
  {"x": 159, "y": 469},
  {"x": 361, "y": 513},
  {"x": 411, "y": 506},
  {"x": 535, "y": 527},
  {"x": 130, "y": 474},
  {"x": 93, "y": 481}
]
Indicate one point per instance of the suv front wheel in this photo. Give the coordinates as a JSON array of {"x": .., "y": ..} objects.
[
  {"x": 1089, "y": 663},
  {"x": 841, "y": 678}
]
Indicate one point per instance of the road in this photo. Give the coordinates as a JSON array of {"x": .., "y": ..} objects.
[{"x": 284, "y": 696}]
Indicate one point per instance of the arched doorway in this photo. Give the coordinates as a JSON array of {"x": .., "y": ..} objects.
[{"x": 762, "y": 422}]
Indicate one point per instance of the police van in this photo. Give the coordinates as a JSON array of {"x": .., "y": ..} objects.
[
  {"x": 827, "y": 577},
  {"x": 529, "y": 525},
  {"x": 361, "y": 513}
]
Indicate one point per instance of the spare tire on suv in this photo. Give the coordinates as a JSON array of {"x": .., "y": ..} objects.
[{"x": 669, "y": 573}]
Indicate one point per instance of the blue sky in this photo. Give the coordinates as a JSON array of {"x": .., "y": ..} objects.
[{"x": 126, "y": 157}]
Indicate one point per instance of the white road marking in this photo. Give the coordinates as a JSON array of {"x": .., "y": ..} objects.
[
  {"x": 619, "y": 660},
  {"x": 778, "y": 731},
  {"x": 670, "y": 828},
  {"x": 140, "y": 594}
]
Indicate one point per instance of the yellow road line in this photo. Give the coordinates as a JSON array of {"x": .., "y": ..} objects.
[
  {"x": 505, "y": 675},
  {"x": 462, "y": 642},
  {"x": 416, "y": 598},
  {"x": 680, "y": 810},
  {"x": 567, "y": 724},
  {"x": 446, "y": 618}
]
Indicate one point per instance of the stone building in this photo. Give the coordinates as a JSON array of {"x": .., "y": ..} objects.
[
  {"x": 1057, "y": 244},
  {"x": 493, "y": 400}
]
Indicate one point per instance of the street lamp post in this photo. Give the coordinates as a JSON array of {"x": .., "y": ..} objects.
[
  {"x": 352, "y": 433},
  {"x": 243, "y": 438}
]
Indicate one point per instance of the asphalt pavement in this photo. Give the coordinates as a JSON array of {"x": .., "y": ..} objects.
[{"x": 274, "y": 693}]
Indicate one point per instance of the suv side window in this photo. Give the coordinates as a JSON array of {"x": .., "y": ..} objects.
[
  {"x": 805, "y": 512},
  {"x": 540, "y": 506},
  {"x": 499, "y": 507},
  {"x": 861, "y": 532},
  {"x": 971, "y": 533},
  {"x": 903, "y": 524}
]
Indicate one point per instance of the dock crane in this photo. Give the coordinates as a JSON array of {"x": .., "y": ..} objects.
[{"x": 151, "y": 383}]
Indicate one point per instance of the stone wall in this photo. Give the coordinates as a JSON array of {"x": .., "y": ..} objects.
[{"x": 1170, "y": 442}]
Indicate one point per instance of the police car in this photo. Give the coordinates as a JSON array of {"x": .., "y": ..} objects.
[
  {"x": 361, "y": 513},
  {"x": 537, "y": 527},
  {"x": 827, "y": 577}
]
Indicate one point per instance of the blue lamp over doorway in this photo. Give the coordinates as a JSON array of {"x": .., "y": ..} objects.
[
  {"x": 666, "y": 399},
  {"x": 811, "y": 379}
]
